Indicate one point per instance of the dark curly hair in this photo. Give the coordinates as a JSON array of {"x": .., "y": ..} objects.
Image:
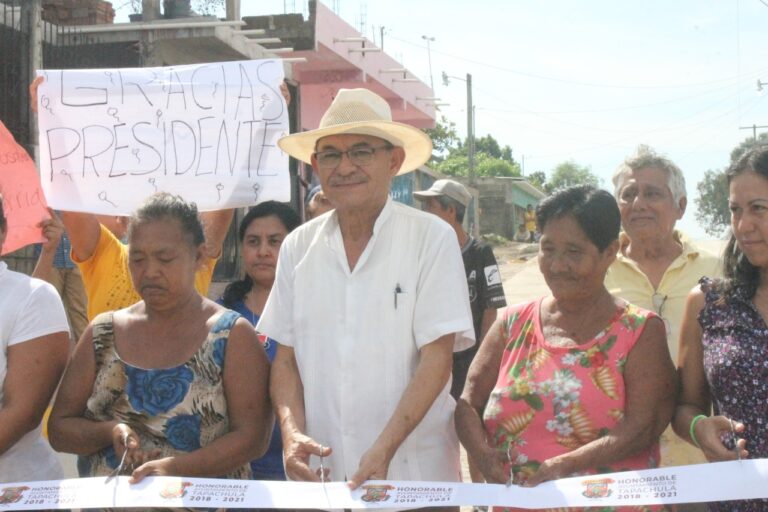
[
  {"x": 738, "y": 272},
  {"x": 595, "y": 211},
  {"x": 236, "y": 290},
  {"x": 163, "y": 205}
]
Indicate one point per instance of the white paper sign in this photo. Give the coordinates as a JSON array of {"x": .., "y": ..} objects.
[{"x": 208, "y": 132}]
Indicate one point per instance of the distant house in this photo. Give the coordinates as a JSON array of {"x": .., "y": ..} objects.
[{"x": 503, "y": 202}]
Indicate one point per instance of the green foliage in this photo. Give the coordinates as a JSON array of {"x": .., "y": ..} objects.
[
  {"x": 490, "y": 146},
  {"x": 485, "y": 165},
  {"x": 712, "y": 203},
  {"x": 444, "y": 139},
  {"x": 538, "y": 179},
  {"x": 748, "y": 144},
  {"x": 450, "y": 153},
  {"x": 570, "y": 173},
  {"x": 204, "y": 7}
]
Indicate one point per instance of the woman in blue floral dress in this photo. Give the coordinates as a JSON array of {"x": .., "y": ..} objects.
[
  {"x": 724, "y": 341},
  {"x": 176, "y": 380}
]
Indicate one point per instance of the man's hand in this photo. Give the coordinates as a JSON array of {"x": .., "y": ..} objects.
[
  {"x": 374, "y": 465},
  {"x": 297, "y": 450}
]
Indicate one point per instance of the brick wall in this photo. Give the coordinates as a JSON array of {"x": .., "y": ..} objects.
[{"x": 78, "y": 12}]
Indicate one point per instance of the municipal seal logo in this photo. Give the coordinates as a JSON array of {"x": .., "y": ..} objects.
[
  {"x": 376, "y": 493},
  {"x": 10, "y": 495},
  {"x": 597, "y": 488},
  {"x": 174, "y": 490}
]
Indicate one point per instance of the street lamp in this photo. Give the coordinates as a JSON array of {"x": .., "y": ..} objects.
[{"x": 429, "y": 57}]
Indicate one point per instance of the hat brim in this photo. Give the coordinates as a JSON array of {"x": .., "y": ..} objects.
[
  {"x": 423, "y": 195},
  {"x": 416, "y": 143}
]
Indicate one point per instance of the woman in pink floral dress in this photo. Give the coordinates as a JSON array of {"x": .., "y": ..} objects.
[{"x": 577, "y": 382}]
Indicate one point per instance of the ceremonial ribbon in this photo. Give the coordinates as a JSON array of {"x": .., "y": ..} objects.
[{"x": 721, "y": 481}]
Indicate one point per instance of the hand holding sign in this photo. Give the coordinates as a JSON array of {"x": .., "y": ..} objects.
[{"x": 23, "y": 199}]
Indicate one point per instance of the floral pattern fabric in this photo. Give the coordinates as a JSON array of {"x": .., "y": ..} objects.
[
  {"x": 549, "y": 400},
  {"x": 735, "y": 343},
  {"x": 175, "y": 410}
]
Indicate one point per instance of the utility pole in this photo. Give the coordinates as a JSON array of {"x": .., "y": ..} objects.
[
  {"x": 31, "y": 23},
  {"x": 233, "y": 10},
  {"x": 429, "y": 58},
  {"x": 753, "y": 128},
  {"x": 381, "y": 45},
  {"x": 470, "y": 132},
  {"x": 470, "y": 124}
]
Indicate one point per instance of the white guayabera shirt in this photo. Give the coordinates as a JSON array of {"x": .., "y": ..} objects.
[{"x": 357, "y": 334}]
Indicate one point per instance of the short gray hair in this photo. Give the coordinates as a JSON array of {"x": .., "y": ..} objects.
[
  {"x": 446, "y": 202},
  {"x": 647, "y": 157}
]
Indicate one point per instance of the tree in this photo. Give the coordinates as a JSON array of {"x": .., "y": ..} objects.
[
  {"x": 444, "y": 139},
  {"x": 538, "y": 179},
  {"x": 712, "y": 204},
  {"x": 450, "y": 153},
  {"x": 570, "y": 173},
  {"x": 485, "y": 165},
  {"x": 204, "y": 7},
  {"x": 748, "y": 144}
]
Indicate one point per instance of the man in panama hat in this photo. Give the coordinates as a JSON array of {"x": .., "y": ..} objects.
[{"x": 369, "y": 303}]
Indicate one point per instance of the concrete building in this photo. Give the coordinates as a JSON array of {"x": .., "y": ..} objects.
[{"x": 502, "y": 203}]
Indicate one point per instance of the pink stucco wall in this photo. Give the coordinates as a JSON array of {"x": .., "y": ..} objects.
[{"x": 332, "y": 66}]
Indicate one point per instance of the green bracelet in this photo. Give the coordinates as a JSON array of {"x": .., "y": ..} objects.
[{"x": 694, "y": 421}]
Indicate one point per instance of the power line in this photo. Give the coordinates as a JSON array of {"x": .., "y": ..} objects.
[{"x": 561, "y": 80}]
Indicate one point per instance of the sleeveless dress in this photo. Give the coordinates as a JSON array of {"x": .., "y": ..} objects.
[
  {"x": 175, "y": 410},
  {"x": 735, "y": 343},
  {"x": 549, "y": 400}
]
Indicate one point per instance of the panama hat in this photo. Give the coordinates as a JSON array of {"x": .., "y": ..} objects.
[{"x": 361, "y": 112}]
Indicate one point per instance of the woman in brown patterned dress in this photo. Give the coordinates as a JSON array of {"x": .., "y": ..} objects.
[{"x": 176, "y": 380}]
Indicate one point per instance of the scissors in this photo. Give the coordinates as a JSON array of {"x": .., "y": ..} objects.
[{"x": 120, "y": 466}]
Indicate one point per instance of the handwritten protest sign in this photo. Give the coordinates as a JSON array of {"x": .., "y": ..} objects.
[
  {"x": 23, "y": 199},
  {"x": 208, "y": 132}
]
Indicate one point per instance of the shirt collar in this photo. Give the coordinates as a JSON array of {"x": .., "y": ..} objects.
[
  {"x": 332, "y": 224},
  {"x": 690, "y": 251}
]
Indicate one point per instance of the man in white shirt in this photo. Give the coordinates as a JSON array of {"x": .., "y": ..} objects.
[{"x": 369, "y": 303}]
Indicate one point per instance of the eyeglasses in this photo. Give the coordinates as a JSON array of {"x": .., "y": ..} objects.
[
  {"x": 331, "y": 158},
  {"x": 658, "y": 301}
]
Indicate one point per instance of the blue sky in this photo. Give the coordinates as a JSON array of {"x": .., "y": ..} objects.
[{"x": 586, "y": 80}]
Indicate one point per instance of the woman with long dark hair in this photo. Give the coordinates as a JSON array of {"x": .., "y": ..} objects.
[
  {"x": 261, "y": 232},
  {"x": 723, "y": 360}
]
